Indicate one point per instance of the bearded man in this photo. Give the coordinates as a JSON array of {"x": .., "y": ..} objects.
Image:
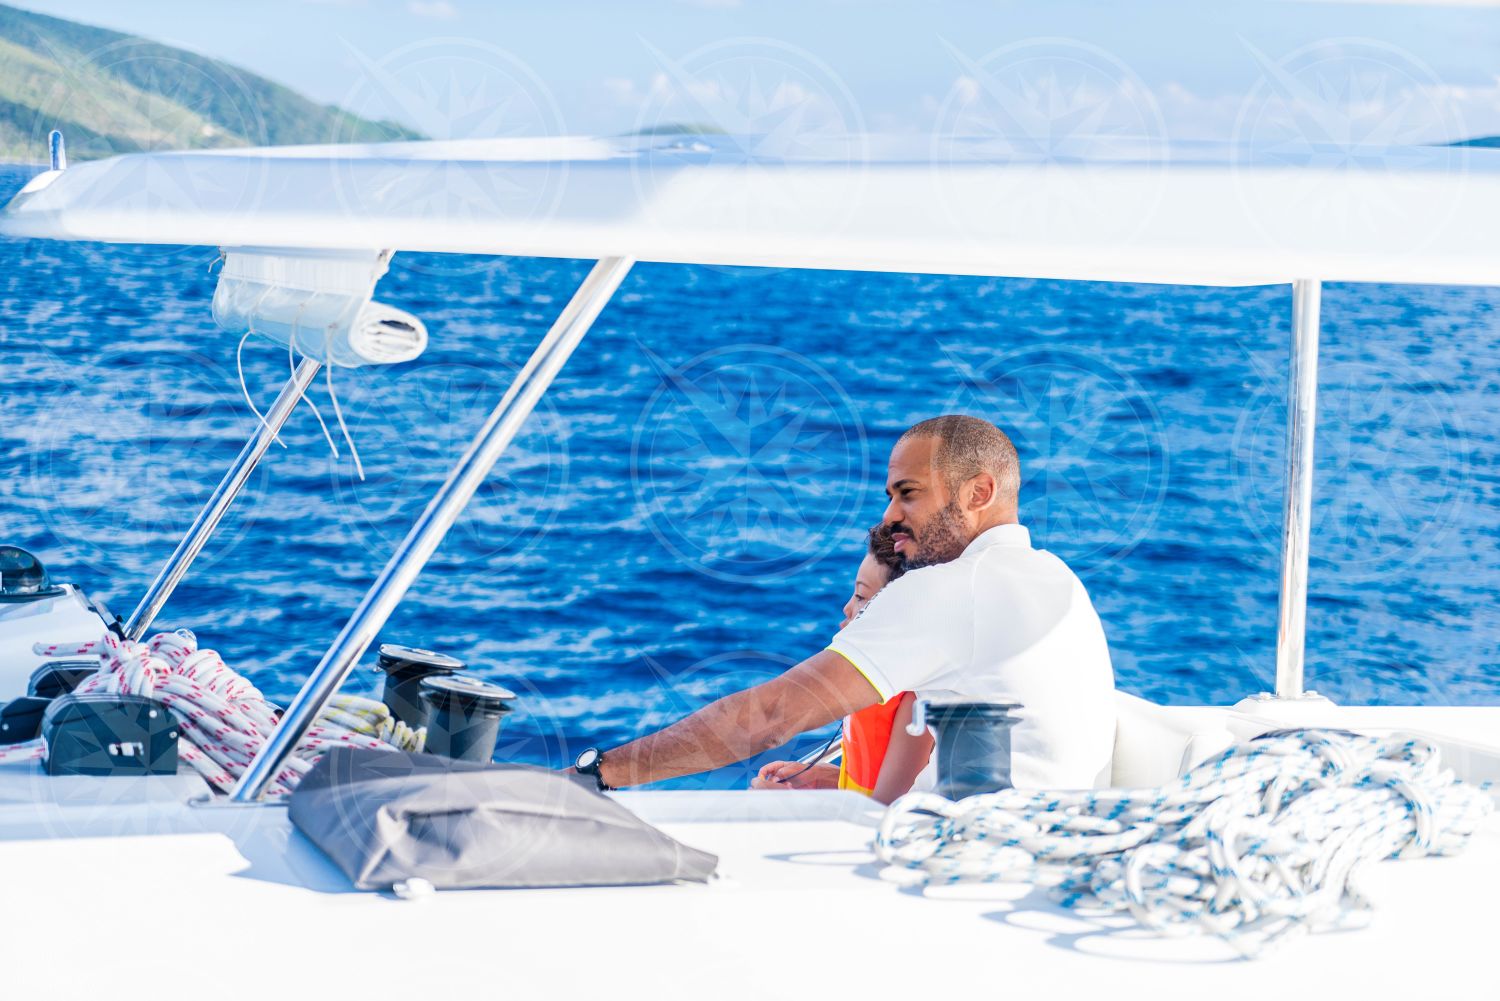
[{"x": 981, "y": 616}]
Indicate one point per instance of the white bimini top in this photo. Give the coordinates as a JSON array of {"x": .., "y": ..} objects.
[
  {"x": 1112, "y": 209},
  {"x": 1002, "y": 623}
]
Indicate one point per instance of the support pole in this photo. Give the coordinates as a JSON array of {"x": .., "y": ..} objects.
[
  {"x": 1296, "y": 525},
  {"x": 218, "y": 503},
  {"x": 406, "y": 563}
]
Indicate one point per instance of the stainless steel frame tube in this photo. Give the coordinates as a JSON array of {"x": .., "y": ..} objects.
[
  {"x": 406, "y": 563},
  {"x": 1296, "y": 525},
  {"x": 218, "y": 502}
]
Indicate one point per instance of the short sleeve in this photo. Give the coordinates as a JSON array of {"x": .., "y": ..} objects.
[{"x": 916, "y": 632}]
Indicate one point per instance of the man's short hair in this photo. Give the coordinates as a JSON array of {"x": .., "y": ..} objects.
[{"x": 968, "y": 446}]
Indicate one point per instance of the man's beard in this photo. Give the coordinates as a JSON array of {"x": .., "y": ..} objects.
[{"x": 942, "y": 539}]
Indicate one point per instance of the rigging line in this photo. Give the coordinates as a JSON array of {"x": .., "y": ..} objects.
[
  {"x": 291, "y": 360},
  {"x": 239, "y": 365},
  {"x": 338, "y": 412},
  {"x": 817, "y": 758}
]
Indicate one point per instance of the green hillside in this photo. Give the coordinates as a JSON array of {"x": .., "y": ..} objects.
[{"x": 114, "y": 93}]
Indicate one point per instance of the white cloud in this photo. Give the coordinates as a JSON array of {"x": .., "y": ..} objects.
[{"x": 439, "y": 10}]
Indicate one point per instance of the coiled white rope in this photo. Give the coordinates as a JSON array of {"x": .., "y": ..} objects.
[
  {"x": 223, "y": 720},
  {"x": 1263, "y": 841}
]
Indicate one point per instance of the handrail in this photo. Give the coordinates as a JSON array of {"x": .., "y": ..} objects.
[
  {"x": 208, "y": 519},
  {"x": 499, "y": 429},
  {"x": 1296, "y": 524}
]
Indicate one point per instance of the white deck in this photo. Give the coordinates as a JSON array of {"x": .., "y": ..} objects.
[{"x": 125, "y": 886}]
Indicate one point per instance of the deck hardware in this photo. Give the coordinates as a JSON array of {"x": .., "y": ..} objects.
[
  {"x": 464, "y": 716},
  {"x": 499, "y": 429},
  {"x": 973, "y": 745},
  {"x": 405, "y": 668},
  {"x": 57, "y": 150}
]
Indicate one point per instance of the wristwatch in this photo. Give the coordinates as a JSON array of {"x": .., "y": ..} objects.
[{"x": 588, "y": 763}]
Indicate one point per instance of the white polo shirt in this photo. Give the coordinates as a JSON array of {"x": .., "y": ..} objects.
[{"x": 1002, "y": 623}]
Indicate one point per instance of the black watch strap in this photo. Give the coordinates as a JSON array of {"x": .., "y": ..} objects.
[{"x": 593, "y": 767}]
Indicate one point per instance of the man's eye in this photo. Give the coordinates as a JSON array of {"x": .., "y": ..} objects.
[{"x": 906, "y": 494}]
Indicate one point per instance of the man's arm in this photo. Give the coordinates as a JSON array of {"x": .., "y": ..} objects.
[{"x": 822, "y": 688}]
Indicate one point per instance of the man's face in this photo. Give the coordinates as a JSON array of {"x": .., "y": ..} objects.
[{"x": 924, "y": 519}]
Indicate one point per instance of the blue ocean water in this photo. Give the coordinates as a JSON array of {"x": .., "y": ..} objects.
[{"x": 683, "y": 515}]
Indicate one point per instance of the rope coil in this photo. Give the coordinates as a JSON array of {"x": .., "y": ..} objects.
[
  {"x": 1261, "y": 842},
  {"x": 223, "y": 719}
]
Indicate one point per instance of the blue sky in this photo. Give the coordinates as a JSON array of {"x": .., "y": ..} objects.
[{"x": 455, "y": 68}]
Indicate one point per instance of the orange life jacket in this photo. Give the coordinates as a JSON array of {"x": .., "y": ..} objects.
[{"x": 867, "y": 736}]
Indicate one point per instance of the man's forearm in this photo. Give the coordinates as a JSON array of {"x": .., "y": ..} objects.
[
  {"x": 731, "y": 729},
  {"x": 815, "y": 692}
]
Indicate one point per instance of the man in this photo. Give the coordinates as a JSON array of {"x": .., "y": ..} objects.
[{"x": 981, "y": 616}]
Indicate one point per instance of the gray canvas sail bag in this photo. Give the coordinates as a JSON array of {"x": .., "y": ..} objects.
[{"x": 384, "y": 817}]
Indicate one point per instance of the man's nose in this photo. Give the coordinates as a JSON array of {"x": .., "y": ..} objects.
[{"x": 892, "y": 513}]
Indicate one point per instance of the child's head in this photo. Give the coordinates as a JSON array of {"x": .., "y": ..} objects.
[{"x": 879, "y": 567}]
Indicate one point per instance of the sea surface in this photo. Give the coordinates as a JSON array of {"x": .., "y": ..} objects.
[{"x": 683, "y": 515}]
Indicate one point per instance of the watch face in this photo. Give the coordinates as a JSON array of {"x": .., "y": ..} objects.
[{"x": 587, "y": 759}]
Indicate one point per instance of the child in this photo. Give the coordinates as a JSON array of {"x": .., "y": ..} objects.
[{"x": 880, "y": 759}]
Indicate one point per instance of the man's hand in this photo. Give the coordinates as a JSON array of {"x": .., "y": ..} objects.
[
  {"x": 821, "y": 689},
  {"x": 796, "y": 775}
]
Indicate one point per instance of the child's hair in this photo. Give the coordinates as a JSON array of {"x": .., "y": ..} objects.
[{"x": 883, "y": 548}]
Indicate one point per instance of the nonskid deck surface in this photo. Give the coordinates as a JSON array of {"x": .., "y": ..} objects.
[{"x": 128, "y": 866}]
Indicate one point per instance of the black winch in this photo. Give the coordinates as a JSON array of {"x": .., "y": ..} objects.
[
  {"x": 405, "y": 668},
  {"x": 463, "y": 716},
  {"x": 973, "y": 745}
]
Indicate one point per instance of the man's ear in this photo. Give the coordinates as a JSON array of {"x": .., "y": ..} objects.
[{"x": 981, "y": 491}]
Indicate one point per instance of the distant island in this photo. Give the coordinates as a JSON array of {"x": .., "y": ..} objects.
[{"x": 113, "y": 93}]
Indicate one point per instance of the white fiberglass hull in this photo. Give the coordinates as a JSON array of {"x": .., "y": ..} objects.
[{"x": 121, "y": 882}]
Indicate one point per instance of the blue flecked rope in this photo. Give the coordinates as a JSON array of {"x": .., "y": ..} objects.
[{"x": 1262, "y": 841}]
